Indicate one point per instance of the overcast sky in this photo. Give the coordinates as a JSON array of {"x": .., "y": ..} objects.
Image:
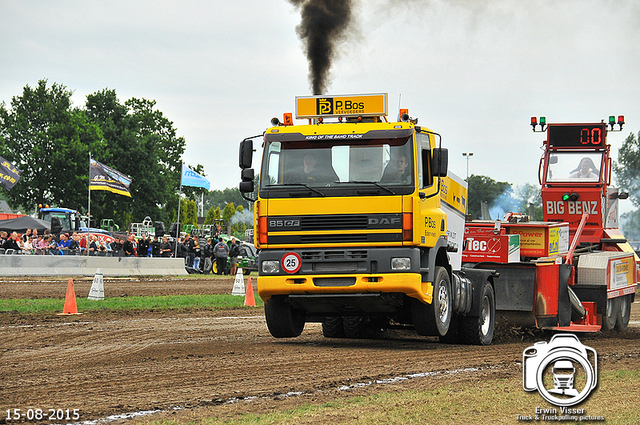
[{"x": 474, "y": 71}]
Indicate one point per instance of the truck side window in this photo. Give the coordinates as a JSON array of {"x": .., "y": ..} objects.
[{"x": 426, "y": 179}]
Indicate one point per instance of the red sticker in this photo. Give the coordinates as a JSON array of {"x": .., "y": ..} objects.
[{"x": 291, "y": 262}]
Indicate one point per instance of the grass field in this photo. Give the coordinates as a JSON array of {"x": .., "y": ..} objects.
[
  {"x": 497, "y": 401},
  {"x": 48, "y": 305}
]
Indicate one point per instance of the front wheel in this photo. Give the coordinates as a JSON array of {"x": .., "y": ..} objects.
[
  {"x": 283, "y": 320},
  {"x": 434, "y": 319},
  {"x": 479, "y": 330}
]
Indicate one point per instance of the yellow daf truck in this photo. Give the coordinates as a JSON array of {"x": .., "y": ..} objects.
[{"x": 360, "y": 226}]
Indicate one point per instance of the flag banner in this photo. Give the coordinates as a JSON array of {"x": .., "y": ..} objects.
[
  {"x": 193, "y": 179},
  {"x": 103, "y": 177},
  {"x": 9, "y": 174}
]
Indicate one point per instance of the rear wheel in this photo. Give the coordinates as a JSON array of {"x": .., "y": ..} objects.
[
  {"x": 283, "y": 321},
  {"x": 332, "y": 327},
  {"x": 479, "y": 330},
  {"x": 611, "y": 314},
  {"x": 434, "y": 319},
  {"x": 624, "y": 313},
  {"x": 353, "y": 326}
]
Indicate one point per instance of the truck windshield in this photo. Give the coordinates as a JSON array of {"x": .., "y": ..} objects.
[
  {"x": 387, "y": 162},
  {"x": 575, "y": 167}
]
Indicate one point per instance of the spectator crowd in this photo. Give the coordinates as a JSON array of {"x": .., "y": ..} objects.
[{"x": 198, "y": 256}]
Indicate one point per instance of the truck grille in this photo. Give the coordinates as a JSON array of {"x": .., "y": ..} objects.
[
  {"x": 344, "y": 267},
  {"x": 334, "y": 255},
  {"x": 334, "y": 281},
  {"x": 334, "y": 222},
  {"x": 334, "y": 229}
]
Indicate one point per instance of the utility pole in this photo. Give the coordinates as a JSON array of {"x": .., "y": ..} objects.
[{"x": 467, "y": 155}]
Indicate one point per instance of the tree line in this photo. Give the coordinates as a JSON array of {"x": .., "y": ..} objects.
[{"x": 50, "y": 141}]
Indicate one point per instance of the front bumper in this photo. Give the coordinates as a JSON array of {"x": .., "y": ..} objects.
[{"x": 409, "y": 284}]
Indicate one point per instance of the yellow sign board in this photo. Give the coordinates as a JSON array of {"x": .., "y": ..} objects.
[
  {"x": 454, "y": 193},
  {"x": 365, "y": 105},
  {"x": 622, "y": 273}
]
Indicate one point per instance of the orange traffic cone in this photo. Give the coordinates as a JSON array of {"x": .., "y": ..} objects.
[
  {"x": 70, "y": 306},
  {"x": 248, "y": 297}
]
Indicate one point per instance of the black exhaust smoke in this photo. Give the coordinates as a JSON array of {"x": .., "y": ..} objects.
[{"x": 323, "y": 25}]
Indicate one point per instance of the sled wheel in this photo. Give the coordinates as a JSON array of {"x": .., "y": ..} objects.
[
  {"x": 577, "y": 309},
  {"x": 624, "y": 313},
  {"x": 611, "y": 314}
]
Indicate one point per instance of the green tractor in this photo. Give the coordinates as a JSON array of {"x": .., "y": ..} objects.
[{"x": 247, "y": 259}]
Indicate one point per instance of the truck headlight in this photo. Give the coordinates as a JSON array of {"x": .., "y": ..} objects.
[
  {"x": 402, "y": 263},
  {"x": 270, "y": 266}
]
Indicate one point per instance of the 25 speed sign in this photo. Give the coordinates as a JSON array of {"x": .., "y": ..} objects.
[{"x": 291, "y": 262}]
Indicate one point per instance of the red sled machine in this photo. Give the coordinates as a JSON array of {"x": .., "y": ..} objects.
[{"x": 575, "y": 270}]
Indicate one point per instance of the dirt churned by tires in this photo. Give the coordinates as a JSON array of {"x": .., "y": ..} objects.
[{"x": 197, "y": 362}]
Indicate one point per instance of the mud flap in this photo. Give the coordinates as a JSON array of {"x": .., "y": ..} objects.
[{"x": 477, "y": 277}]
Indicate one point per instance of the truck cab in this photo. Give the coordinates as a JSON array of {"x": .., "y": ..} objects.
[{"x": 351, "y": 221}]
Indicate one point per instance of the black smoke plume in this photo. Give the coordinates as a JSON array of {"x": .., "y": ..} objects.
[{"x": 322, "y": 27}]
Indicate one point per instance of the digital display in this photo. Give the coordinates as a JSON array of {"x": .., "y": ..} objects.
[{"x": 577, "y": 135}]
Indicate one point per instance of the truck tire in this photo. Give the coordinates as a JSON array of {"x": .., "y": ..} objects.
[
  {"x": 283, "y": 321},
  {"x": 479, "y": 330},
  {"x": 434, "y": 319},
  {"x": 332, "y": 327},
  {"x": 454, "y": 334},
  {"x": 610, "y": 316},
  {"x": 353, "y": 326},
  {"x": 624, "y": 313}
]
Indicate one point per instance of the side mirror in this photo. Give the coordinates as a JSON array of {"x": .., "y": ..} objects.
[
  {"x": 246, "y": 153},
  {"x": 56, "y": 225},
  {"x": 440, "y": 162},
  {"x": 246, "y": 185}
]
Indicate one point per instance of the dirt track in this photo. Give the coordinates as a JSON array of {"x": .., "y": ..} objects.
[{"x": 203, "y": 361}]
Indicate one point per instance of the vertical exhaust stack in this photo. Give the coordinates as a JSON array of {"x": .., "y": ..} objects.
[{"x": 323, "y": 25}]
